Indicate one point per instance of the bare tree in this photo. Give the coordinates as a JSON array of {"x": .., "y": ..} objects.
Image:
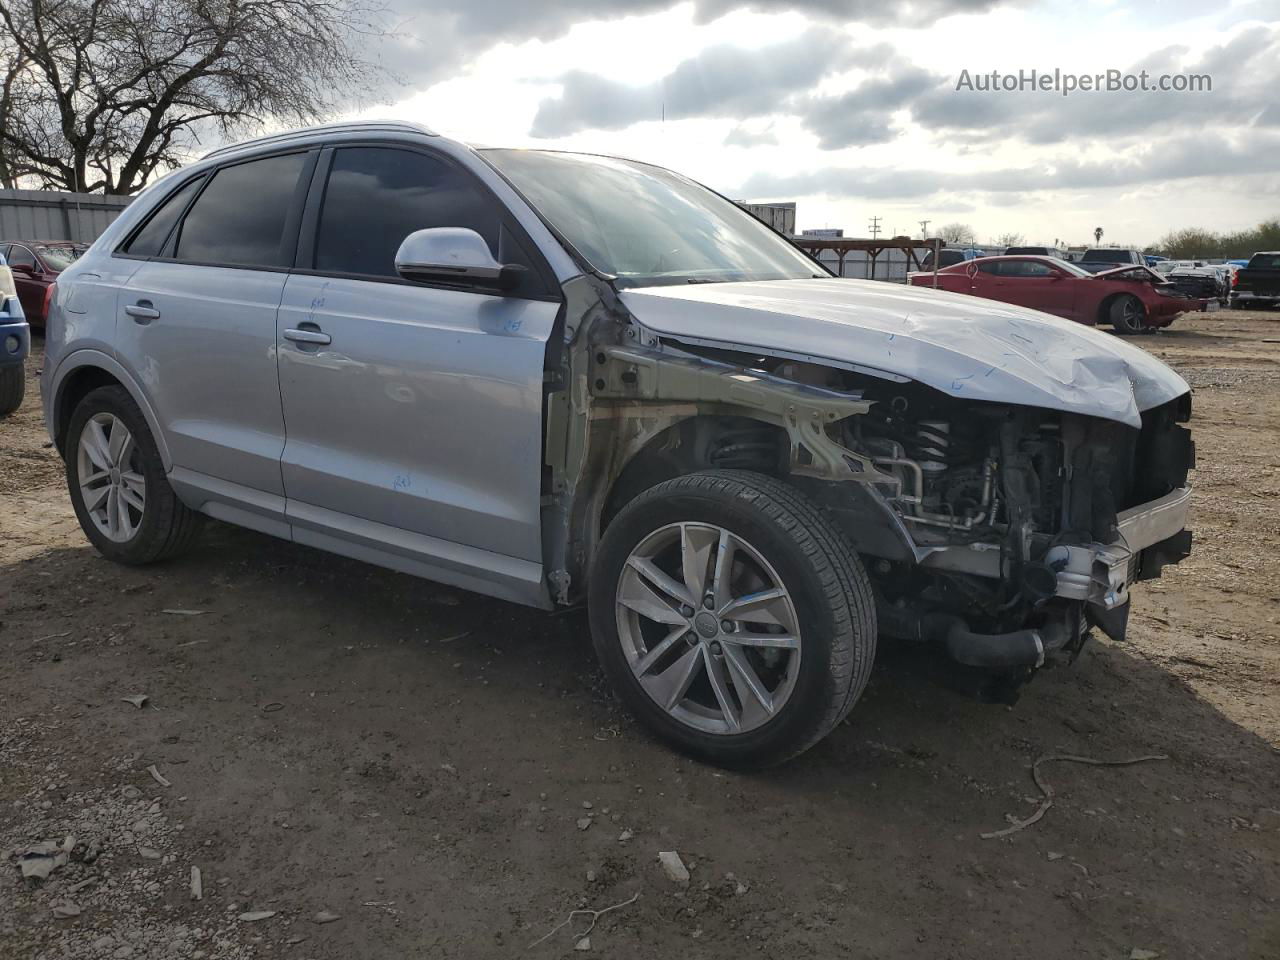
[
  {"x": 1009, "y": 240},
  {"x": 1097, "y": 234},
  {"x": 957, "y": 233},
  {"x": 101, "y": 94}
]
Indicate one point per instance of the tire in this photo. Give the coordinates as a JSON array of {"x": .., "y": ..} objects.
[
  {"x": 13, "y": 387},
  {"x": 164, "y": 526},
  {"x": 825, "y": 617},
  {"x": 1127, "y": 315}
]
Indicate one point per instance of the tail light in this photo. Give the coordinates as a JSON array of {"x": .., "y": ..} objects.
[
  {"x": 48, "y": 300},
  {"x": 1235, "y": 277}
]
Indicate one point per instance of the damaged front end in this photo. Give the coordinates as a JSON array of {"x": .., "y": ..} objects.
[{"x": 1000, "y": 533}]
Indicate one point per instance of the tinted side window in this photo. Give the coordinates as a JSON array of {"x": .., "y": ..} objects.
[
  {"x": 148, "y": 241},
  {"x": 991, "y": 268},
  {"x": 377, "y": 196},
  {"x": 240, "y": 217},
  {"x": 21, "y": 257},
  {"x": 1024, "y": 268}
]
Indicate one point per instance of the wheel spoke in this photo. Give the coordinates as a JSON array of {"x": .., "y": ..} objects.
[
  {"x": 113, "y": 511},
  {"x": 724, "y": 569},
  {"x": 765, "y": 606},
  {"x": 670, "y": 686},
  {"x": 745, "y": 679},
  {"x": 118, "y": 441},
  {"x": 720, "y": 686},
  {"x": 129, "y": 496},
  {"x": 778, "y": 641},
  {"x": 646, "y": 662},
  {"x": 637, "y": 595},
  {"x": 668, "y": 585},
  {"x": 126, "y": 524},
  {"x": 93, "y": 496},
  {"x": 94, "y": 442},
  {"x": 697, "y": 544}
]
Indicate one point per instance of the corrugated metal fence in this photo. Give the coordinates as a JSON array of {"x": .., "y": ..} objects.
[{"x": 46, "y": 215}]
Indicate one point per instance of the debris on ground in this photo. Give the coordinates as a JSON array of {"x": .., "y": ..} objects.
[
  {"x": 197, "y": 886},
  {"x": 584, "y": 822},
  {"x": 139, "y": 700},
  {"x": 65, "y": 910},
  {"x": 41, "y": 859},
  {"x": 595, "y": 917},
  {"x": 324, "y": 916},
  {"x": 1137, "y": 953},
  {"x": 673, "y": 866},
  {"x": 253, "y": 916},
  {"x": 583, "y": 944},
  {"x": 185, "y": 613},
  {"x": 625, "y": 835},
  {"x": 1047, "y": 790},
  {"x": 157, "y": 776}
]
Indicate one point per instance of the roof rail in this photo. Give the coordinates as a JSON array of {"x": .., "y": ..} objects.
[{"x": 398, "y": 126}]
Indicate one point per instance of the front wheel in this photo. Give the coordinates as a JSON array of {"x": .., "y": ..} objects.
[
  {"x": 117, "y": 482},
  {"x": 1128, "y": 314},
  {"x": 13, "y": 386},
  {"x": 731, "y": 617}
]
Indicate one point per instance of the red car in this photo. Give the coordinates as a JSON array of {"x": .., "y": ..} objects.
[
  {"x": 35, "y": 265},
  {"x": 1132, "y": 299}
]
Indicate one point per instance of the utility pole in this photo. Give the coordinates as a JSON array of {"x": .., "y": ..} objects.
[
  {"x": 874, "y": 229},
  {"x": 924, "y": 229}
]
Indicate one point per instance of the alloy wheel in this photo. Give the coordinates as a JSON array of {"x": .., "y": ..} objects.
[
  {"x": 112, "y": 487},
  {"x": 708, "y": 628}
]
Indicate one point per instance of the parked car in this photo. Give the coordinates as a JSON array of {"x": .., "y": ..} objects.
[
  {"x": 563, "y": 379},
  {"x": 1196, "y": 278},
  {"x": 1055, "y": 252},
  {"x": 15, "y": 344},
  {"x": 947, "y": 257},
  {"x": 1132, "y": 299},
  {"x": 1097, "y": 259},
  {"x": 1257, "y": 285},
  {"x": 36, "y": 265}
]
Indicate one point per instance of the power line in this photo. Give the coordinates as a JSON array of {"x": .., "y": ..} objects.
[{"x": 874, "y": 229}]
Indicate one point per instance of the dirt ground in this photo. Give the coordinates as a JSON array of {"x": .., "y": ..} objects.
[{"x": 448, "y": 777}]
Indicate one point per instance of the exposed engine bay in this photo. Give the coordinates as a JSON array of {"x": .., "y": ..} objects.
[{"x": 1001, "y": 532}]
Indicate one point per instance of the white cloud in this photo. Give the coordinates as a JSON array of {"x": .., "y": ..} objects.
[{"x": 850, "y": 136}]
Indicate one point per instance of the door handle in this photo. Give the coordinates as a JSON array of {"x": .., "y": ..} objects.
[
  {"x": 307, "y": 336},
  {"x": 142, "y": 312}
]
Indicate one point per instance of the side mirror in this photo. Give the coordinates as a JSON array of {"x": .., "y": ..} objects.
[{"x": 452, "y": 255}]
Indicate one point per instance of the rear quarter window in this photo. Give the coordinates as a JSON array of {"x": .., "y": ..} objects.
[{"x": 1264, "y": 261}]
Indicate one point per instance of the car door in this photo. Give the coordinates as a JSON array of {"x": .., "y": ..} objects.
[
  {"x": 1031, "y": 283},
  {"x": 197, "y": 326},
  {"x": 28, "y": 279},
  {"x": 413, "y": 412}
]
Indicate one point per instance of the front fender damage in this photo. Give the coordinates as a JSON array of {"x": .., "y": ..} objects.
[{"x": 618, "y": 389}]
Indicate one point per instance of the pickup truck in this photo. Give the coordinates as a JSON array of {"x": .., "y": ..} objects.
[
  {"x": 1258, "y": 284},
  {"x": 1097, "y": 259}
]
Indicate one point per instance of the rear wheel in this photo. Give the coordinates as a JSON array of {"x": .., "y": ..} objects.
[
  {"x": 731, "y": 617},
  {"x": 118, "y": 485},
  {"x": 1128, "y": 314},
  {"x": 13, "y": 387}
]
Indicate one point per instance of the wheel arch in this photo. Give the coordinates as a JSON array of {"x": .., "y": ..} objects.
[{"x": 85, "y": 371}]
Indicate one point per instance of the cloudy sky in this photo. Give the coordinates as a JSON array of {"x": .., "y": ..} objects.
[{"x": 850, "y": 107}]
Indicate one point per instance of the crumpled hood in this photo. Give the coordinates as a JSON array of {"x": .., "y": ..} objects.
[{"x": 964, "y": 346}]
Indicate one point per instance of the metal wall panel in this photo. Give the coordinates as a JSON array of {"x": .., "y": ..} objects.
[{"x": 48, "y": 215}]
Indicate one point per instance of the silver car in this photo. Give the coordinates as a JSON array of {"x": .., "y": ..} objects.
[{"x": 563, "y": 379}]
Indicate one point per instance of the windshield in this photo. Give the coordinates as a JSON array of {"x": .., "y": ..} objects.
[
  {"x": 61, "y": 256},
  {"x": 648, "y": 226}
]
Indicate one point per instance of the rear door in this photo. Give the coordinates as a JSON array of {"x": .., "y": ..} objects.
[
  {"x": 28, "y": 279},
  {"x": 413, "y": 412},
  {"x": 197, "y": 323}
]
